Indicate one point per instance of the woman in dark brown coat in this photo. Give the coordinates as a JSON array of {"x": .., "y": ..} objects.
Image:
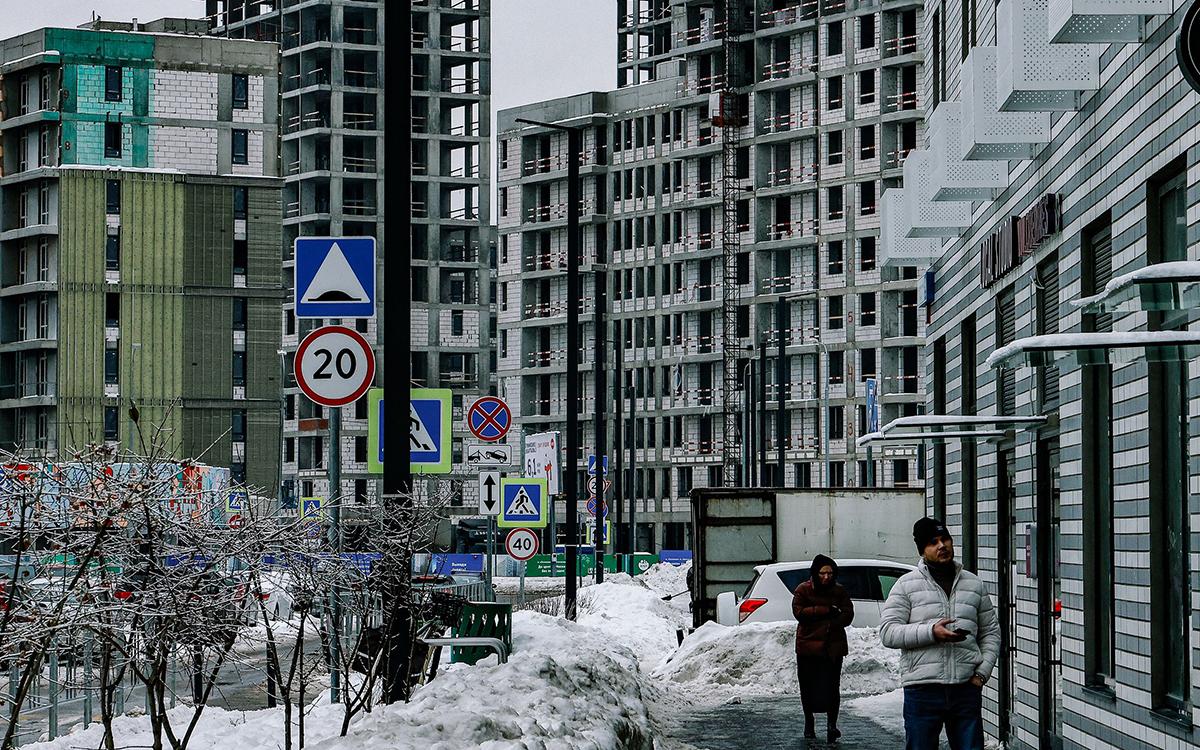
[{"x": 823, "y": 610}]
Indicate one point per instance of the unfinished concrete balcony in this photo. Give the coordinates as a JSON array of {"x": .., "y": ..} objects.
[
  {"x": 987, "y": 132},
  {"x": 1034, "y": 75},
  {"x": 927, "y": 217},
  {"x": 953, "y": 178},
  {"x": 1103, "y": 21}
]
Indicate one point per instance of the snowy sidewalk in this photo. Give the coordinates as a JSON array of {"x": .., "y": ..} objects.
[{"x": 773, "y": 722}]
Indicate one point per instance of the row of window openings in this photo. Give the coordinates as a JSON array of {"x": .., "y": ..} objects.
[
  {"x": 114, "y": 147},
  {"x": 867, "y": 94},
  {"x": 835, "y": 34},
  {"x": 114, "y": 77}
]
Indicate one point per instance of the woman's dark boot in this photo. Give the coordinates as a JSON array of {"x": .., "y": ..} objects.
[
  {"x": 810, "y": 729},
  {"x": 833, "y": 733}
]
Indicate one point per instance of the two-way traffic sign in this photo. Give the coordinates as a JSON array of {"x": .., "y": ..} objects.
[{"x": 489, "y": 493}]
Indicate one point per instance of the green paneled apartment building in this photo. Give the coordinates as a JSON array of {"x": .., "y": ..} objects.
[{"x": 140, "y": 222}]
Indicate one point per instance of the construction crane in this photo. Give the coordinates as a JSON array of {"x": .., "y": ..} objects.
[{"x": 730, "y": 122}]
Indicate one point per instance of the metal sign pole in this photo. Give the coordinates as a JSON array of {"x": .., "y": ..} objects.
[{"x": 335, "y": 543}]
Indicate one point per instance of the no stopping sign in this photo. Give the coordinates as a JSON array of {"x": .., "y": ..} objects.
[
  {"x": 334, "y": 366},
  {"x": 521, "y": 544}
]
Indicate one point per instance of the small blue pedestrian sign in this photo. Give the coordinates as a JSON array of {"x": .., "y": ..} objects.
[
  {"x": 592, "y": 465},
  {"x": 310, "y": 508},
  {"x": 522, "y": 503},
  {"x": 335, "y": 277}
]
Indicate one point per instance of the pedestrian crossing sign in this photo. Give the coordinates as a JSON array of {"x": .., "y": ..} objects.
[
  {"x": 430, "y": 431},
  {"x": 523, "y": 503}
]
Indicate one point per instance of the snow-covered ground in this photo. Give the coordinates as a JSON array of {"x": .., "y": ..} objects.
[{"x": 605, "y": 682}]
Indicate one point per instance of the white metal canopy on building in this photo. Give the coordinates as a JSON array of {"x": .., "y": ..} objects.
[
  {"x": 1159, "y": 286},
  {"x": 921, "y": 437},
  {"x": 1097, "y": 348}
]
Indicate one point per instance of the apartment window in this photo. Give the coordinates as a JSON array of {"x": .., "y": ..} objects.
[
  {"x": 1046, "y": 301},
  {"x": 834, "y": 34},
  {"x": 939, "y": 54},
  {"x": 112, "y": 253},
  {"x": 360, "y": 449},
  {"x": 1006, "y": 333},
  {"x": 833, "y": 147},
  {"x": 238, "y": 433},
  {"x": 837, "y": 473},
  {"x": 112, "y": 196},
  {"x": 111, "y": 364},
  {"x": 900, "y": 473},
  {"x": 456, "y": 322},
  {"x": 834, "y": 91},
  {"x": 110, "y": 423},
  {"x": 834, "y": 251},
  {"x": 240, "y": 313},
  {"x": 836, "y": 202},
  {"x": 241, "y": 91},
  {"x": 866, "y": 87},
  {"x": 1099, "y": 594},
  {"x": 239, "y": 369},
  {"x": 502, "y": 147},
  {"x": 112, "y": 309},
  {"x": 241, "y": 257},
  {"x": 360, "y": 491},
  {"x": 837, "y": 367},
  {"x": 866, "y": 253},
  {"x": 836, "y": 315},
  {"x": 1167, "y": 406},
  {"x": 866, "y": 198},
  {"x": 241, "y": 200},
  {"x": 868, "y": 367},
  {"x": 43, "y": 261},
  {"x": 112, "y": 140},
  {"x": 503, "y": 200},
  {"x": 241, "y": 147},
  {"x": 866, "y": 142},
  {"x": 112, "y": 83},
  {"x": 866, "y": 31},
  {"x": 866, "y": 309}
]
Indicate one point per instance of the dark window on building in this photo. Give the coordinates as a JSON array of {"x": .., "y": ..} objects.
[
  {"x": 110, "y": 423},
  {"x": 837, "y": 202},
  {"x": 900, "y": 473},
  {"x": 835, "y": 259},
  {"x": 239, "y": 369},
  {"x": 970, "y": 476},
  {"x": 1099, "y": 594},
  {"x": 456, "y": 322},
  {"x": 112, "y": 252},
  {"x": 111, "y": 365},
  {"x": 868, "y": 368},
  {"x": 360, "y": 491},
  {"x": 360, "y": 448},
  {"x": 289, "y": 450},
  {"x": 835, "y": 92},
  {"x": 241, "y": 91},
  {"x": 837, "y": 366},
  {"x": 834, "y": 148},
  {"x": 241, "y": 199},
  {"x": 866, "y": 87},
  {"x": 1046, "y": 299},
  {"x": 837, "y": 423},
  {"x": 241, "y": 147},
  {"x": 112, "y": 83},
  {"x": 836, "y": 315},
  {"x": 238, "y": 433},
  {"x": 1170, "y": 590},
  {"x": 112, "y": 309},
  {"x": 241, "y": 259},
  {"x": 866, "y": 142},
  {"x": 939, "y": 448},
  {"x": 112, "y": 196},
  {"x": 834, "y": 34},
  {"x": 804, "y": 475},
  {"x": 866, "y": 253},
  {"x": 112, "y": 140},
  {"x": 866, "y": 31},
  {"x": 866, "y": 309},
  {"x": 837, "y": 473},
  {"x": 240, "y": 305}
]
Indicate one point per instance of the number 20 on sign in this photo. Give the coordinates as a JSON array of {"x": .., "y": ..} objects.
[{"x": 334, "y": 366}]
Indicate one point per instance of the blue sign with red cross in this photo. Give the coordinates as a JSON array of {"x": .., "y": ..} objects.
[{"x": 489, "y": 419}]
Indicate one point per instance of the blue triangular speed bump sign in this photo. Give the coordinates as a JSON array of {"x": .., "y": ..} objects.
[{"x": 335, "y": 277}]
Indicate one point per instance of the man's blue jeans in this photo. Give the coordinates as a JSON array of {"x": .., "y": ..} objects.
[{"x": 927, "y": 708}]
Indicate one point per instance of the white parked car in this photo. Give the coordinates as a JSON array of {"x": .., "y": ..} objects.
[{"x": 768, "y": 598}]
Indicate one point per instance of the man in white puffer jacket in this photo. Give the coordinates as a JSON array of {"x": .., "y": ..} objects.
[{"x": 942, "y": 619}]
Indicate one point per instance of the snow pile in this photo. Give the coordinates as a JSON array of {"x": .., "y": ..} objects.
[
  {"x": 632, "y": 615},
  {"x": 666, "y": 579},
  {"x": 545, "y": 697},
  {"x": 718, "y": 662}
]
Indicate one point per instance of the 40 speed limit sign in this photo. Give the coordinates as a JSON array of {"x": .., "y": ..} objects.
[
  {"x": 521, "y": 544},
  {"x": 334, "y": 366}
]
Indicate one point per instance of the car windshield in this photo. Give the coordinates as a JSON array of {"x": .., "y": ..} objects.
[{"x": 857, "y": 581}]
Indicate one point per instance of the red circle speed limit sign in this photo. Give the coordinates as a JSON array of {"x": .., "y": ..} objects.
[
  {"x": 334, "y": 366},
  {"x": 521, "y": 544}
]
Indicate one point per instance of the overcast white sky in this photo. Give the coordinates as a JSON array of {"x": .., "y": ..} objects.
[{"x": 540, "y": 48}]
